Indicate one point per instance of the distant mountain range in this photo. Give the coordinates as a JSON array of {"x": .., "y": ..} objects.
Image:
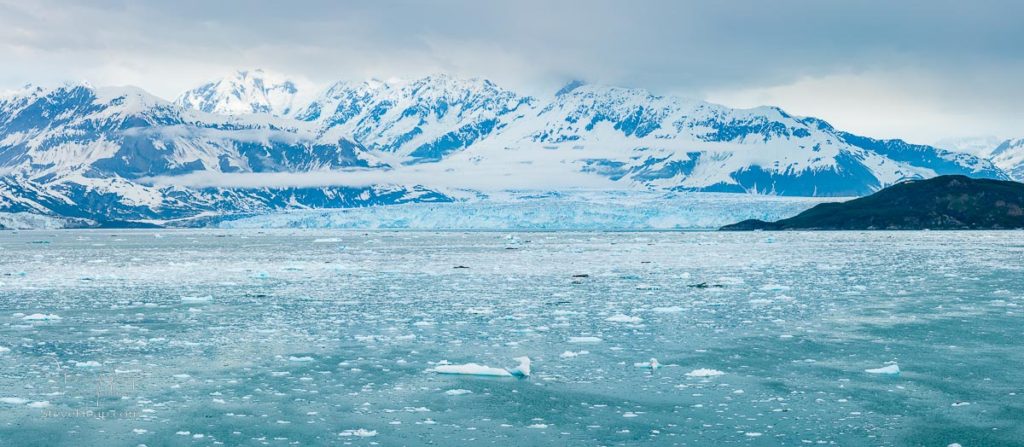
[{"x": 249, "y": 143}]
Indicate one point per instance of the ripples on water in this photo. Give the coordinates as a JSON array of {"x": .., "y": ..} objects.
[{"x": 300, "y": 338}]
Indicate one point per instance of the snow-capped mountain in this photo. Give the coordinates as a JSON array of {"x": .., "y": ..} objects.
[
  {"x": 81, "y": 151},
  {"x": 1009, "y": 156},
  {"x": 981, "y": 146},
  {"x": 244, "y": 92},
  {"x": 116, "y": 153},
  {"x": 417, "y": 121},
  {"x": 633, "y": 137}
]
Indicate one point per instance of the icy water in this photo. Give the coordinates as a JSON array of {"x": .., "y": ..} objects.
[{"x": 329, "y": 338}]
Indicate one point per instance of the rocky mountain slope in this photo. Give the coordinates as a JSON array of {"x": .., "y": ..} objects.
[{"x": 949, "y": 202}]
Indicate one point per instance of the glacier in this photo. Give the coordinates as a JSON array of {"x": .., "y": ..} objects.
[{"x": 549, "y": 211}]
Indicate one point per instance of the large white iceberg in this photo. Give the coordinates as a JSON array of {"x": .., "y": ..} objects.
[{"x": 474, "y": 369}]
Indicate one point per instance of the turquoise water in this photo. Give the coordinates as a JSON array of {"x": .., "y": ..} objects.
[{"x": 329, "y": 337}]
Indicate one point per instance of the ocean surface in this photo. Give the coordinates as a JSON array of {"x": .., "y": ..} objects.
[{"x": 334, "y": 337}]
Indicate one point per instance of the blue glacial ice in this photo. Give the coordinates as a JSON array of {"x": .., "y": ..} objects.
[{"x": 605, "y": 211}]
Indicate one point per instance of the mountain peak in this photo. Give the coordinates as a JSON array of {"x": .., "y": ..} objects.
[
  {"x": 572, "y": 85},
  {"x": 242, "y": 93}
]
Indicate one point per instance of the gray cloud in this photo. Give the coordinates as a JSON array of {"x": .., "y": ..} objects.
[{"x": 954, "y": 59}]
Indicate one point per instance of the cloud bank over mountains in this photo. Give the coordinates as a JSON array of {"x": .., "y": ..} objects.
[{"x": 890, "y": 69}]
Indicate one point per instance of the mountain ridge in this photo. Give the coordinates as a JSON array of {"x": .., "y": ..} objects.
[{"x": 89, "y": 151}]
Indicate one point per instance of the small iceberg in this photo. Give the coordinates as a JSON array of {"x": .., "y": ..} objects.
[
  {"x": 623, "y": 318},
  {"x": 473, "y": 369},
  {"x": 523, "y": 370},
  {"x": 584, "y": 339},
  {"x": 359, "y": 433},
  {"x": 892, "y": 369},
  {"x": 41, "y": 317},
  {"x": 704, "y": 372},
  {"x": 653, "y": 364},
  {"x": 571, "y": 354},
  {"x": 13, "y": 400},
  {"x": 197, "y": 299}
]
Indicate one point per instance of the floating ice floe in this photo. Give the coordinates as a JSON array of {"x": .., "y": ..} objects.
[
  {"x": 892, "y": 369},
  {"x": 704, "y": 372},
  {"x": 197, "y": 299},
  {"x": 13, "y": 400},
  {"x": 474, "y": 369},
  {"x": 652, "y": 364},
  {"x": 667, "y": 310},
  {"x": 457, "y": 392},
  {"x": 571, "y": 354},
  {"x": 326, "y": 240},
  {"x": 88, "y": 364},
  {"x": 584, "y": 339},
  {"x": 359, "y": 432},
  {"x": 622, "y": 318},
  {"x": 4, "y": 349},
  {"x": 41, "y": 317}
]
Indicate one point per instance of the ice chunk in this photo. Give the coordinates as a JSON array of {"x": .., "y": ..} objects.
[
  {"x": 523, "y": 370},
  {"x": 88, "y": 364},
  {"x": 471, "y": 369},
  {"x": 41, "y": 404},
  {"x": 4, "y": 349},
  {"x": 359, "y": 432},
  {"x": 584, "y": 339},
  {"x": 653, "y": 364},
  {"x": 41, "y": 317},
  {"x": 197, "y": 299},
  {"x": 13, "y": 400},
  {"x": 704, "y": 372},
  {"x": 892, "y": 369},
  {"x": 622, "y": 318},
  {"x": 571, "y": 354},
  {"x": 326, "y": 240},
  {"x": 667, "y": 310},
  {"x": 457, "y": 392},
  {"x": 474, "y": 369}
]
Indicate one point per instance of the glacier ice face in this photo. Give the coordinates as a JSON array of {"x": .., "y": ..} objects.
[{"x": 602, "y": 211}]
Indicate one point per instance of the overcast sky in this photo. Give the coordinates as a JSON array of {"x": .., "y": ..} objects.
[{"x": 922, "y": 70}]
